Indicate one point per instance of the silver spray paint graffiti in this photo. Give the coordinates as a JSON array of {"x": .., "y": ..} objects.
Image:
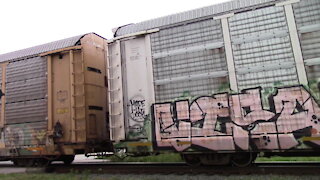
[{"x": 239, "y": 121}]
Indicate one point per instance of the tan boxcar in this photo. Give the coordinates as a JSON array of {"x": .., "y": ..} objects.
[{"x": 53, "y": 101}]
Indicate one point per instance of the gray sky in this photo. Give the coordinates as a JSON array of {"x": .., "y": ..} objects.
[{"x": 27, "y": 23}]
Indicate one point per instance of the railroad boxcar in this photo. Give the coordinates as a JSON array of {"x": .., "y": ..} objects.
[
  {"x": 219, "y": 84},
  {"x": 53, "y": 101}
]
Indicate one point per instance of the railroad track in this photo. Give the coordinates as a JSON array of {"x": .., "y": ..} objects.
[
  {"x": 258, "y": 168},
  {"x": 281, "y": 168}
]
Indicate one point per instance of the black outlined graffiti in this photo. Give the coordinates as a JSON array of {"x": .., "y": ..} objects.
[
  {"x": 233, "y": 121},
  {"x": 137, "y": 108}
]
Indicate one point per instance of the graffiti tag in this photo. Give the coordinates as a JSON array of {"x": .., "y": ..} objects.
[{"x": 239, "y": 121}]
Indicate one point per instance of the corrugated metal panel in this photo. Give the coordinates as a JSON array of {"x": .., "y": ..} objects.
[
  {"x": 258, "y": 22},
  {"x": 26, "y": 134},
  {"x": 310, "y": 44},
  {"x": 41, "y": 48},
  {"x": 184, "y": 59},
  {"x": 26, "y": 69},
  {"x": 172, "y": 91},
  {"x": 190, "y": 64},
  {"x": 30, "y": 89},
  {"x": 194, "y": 14},
  {"x": 313, "y": 73},
  {"x": 307, "y": 16},
  {"x": 307, "y": 12},
  {"x": 29, "y": 111},
  {"x": 189, "y": 35},
  {"x": 271, "y": 55}
]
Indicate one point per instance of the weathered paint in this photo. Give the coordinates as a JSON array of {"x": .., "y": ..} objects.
[
  {"x": 55, "y": 102},
  {"x": 231, "y": 121}
]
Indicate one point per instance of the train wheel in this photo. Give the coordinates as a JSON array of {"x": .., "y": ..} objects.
[
  {"x": 41, "y": 162},
  {"x": 243, "y": 159},
  {"x": 68, "y": 159},
  {"x": 24, "y": 162},
  {"x": 192, "y": 159}
]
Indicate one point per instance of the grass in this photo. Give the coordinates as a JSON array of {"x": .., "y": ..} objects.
[
  {"x": 278, "y": 158},
  {"x": 173, "y": 157},
  {"x": 168, "y": 157}
]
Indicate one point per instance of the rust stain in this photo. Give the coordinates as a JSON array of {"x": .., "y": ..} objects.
[
  {"x": 311, "y": 138},
  {"x": 184, "y": 143},
  {"x": 140, "y": 144},
  {"x": 35, "y": 149}
]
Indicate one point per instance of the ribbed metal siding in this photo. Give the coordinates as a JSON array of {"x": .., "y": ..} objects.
[
  {"x": 26, "y": 90},
  {"x": 26, "y": 69},
  {"x": 187, "y": 35},
  {"x": 194, "y": 14},
  {"x": 307, "y": 16},
  {"x": 26, "y": 80},
  {"x": 196, "y": 88},
  {"x": 25, "y": 112},
  {"x": 307, "y": 12},
  {"x": 262, "y": 48},
  {"x": 174, "y": 64},
  {"x": 17, "y": 135},
  {"x": 29, "y": 89},
  {"x": 33, "y": 51}
]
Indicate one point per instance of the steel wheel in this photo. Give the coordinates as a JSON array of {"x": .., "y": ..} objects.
[
  {"x": 192, "y": 159},
  {"x": 243, "y": 159}
]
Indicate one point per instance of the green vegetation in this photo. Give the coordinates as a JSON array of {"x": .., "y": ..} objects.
[
  {"x": 278, "y": 158},
  {"x": 170, "y": 157}
]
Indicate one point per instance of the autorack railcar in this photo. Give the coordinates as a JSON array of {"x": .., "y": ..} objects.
[
  {"x": 219, "y": 84},
  {"x": 53, "y": 101}
]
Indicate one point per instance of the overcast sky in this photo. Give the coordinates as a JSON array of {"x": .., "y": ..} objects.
[{"x": 27, "y": 23}]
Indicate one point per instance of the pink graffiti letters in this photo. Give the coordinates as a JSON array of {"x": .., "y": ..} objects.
[{"x": 238, "y": 121}]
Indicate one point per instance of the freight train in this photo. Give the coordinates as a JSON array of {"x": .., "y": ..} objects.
[{"x": 218, "y": 85}]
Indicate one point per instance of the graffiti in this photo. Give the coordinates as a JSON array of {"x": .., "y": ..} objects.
[
  {"x": 22, "y": 135},
  {"x": 137, "y": 109},
  {"x": 239, "y": 121},
  {"x": 1, "y": 94}
]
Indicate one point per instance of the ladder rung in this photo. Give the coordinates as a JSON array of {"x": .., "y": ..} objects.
[
  {"x": 113, "y": 127},
  {"x": 82, "y": 72},
  {"x": 115, "y": 102},
  {"x": 78, "y": 107},
  {"x": 115, "y": 114},
  {"x": 82, "y": 118},
  {"x": 112, "y": 67},
  {"x": 114, "y": 78},
  {"x": 78, "y": 95},
  {"x": 78, "y": 84},
  {"x": 114, "y": 90}
]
